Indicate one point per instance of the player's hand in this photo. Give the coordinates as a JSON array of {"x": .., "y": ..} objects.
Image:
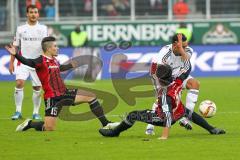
[
  {"x": 11, "y": 67},
  {"x": 179, "y": 43},
  {"x": 11, "y": 49},
  {"x": 178, "y": 47},
  {"x": 163, "y": 138},
  {"x": 74, "y": 63}
]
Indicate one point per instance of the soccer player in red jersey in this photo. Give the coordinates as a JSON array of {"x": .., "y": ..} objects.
[
  {"x": 55, "y": 93},
  {"x": 169, "y": 107}
]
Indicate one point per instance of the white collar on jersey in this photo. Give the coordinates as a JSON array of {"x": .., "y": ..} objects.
[
  {"x": 31, "y": 25},
  {"x": 47, "y": 57}
]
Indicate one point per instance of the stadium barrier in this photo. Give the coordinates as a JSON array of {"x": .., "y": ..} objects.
[
  {"x": 151, "y": 33},
  {"x": 207, "y": 61}
]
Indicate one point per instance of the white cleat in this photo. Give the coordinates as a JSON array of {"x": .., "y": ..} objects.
[
  {"x": 184, "y": 122},
  {"x": 22, "y": 126},
  {"x": 111, "y": 125},
  {"x": 150, "y": 131}
]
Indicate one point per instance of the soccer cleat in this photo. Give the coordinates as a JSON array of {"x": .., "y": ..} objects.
[
  {"x": 17, "y": 115},
  {"x": 108, "y": 133},
  {"x": 111, "y": 125},
  {"x": 150, "y": 131},
  {"x": 217, "y": 131},
  {"x": 23, "y": 126},
  {"x": 184, "y": 122},
  {"x": 36, "y": 117}
]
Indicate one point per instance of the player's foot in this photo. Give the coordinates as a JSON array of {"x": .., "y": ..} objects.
[
  {"x": 17, "y": 115},
  {"x": 108, "y": 132},
  {"x": 217, "y": 131},
  {"x": 23, "y": 126},
  {"x": 150, "y": 131},
  {"x": 184, "y": 122},
  {"x": 111, "y": 125},
  {"x": 36, "y": 117}
]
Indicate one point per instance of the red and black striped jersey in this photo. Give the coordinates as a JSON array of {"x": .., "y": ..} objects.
[
  {"x": 173, "y": 105},
  {"x": 48, "y": 70}
]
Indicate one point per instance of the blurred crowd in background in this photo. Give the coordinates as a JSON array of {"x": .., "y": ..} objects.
[{"x": 122, "y": 7}]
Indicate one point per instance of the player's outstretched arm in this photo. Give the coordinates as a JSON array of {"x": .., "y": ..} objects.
[
  {"x": 65, "y": 67},
  {"x": 29, "y": 62},
  {"x": 11, "y": 64},
  {"x": 70, "y": 65},
  {"x": 165, "y": 133},
  {"x": 166, "y": 103}
]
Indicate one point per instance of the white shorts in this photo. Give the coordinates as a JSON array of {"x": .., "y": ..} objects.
[
  {"x": 23, "y": 72},
  {"x": 185, "y": 81}
]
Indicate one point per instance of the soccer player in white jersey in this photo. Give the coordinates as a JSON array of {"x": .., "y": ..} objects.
[
  {"x": 178, "y": 55},
  {"x": 28, "y": 41}
]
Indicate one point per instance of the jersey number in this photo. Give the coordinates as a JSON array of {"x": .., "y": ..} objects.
[{"x": 54, "y": 111}]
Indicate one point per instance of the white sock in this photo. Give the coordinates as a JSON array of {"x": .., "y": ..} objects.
[
  {"x": 191, "y": 99},
  {"x": 18, "y": 96},
  {"x": 150, "y": 126},
  {"x": 36, "y": 97}
]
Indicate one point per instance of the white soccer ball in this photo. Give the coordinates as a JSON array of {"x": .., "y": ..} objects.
[{"x": 207, "y": 108}]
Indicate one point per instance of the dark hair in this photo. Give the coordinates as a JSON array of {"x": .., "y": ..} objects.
[
  {"x": 164, "y": 74},
  {"x": 175, "y": 38},
  {"x": 31, "y": 6},
  {"x": 45, "y": 43}
]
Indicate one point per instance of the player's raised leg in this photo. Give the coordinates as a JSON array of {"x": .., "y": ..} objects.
[
  {"x": 147, "y": 116},
  {"x": 90, "y": 98},
  {"x": 200, "y": 121}
]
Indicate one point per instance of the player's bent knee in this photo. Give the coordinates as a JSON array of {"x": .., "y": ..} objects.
[
  {"x": 36, "y": 88},
  {"x": 19, "y": 83},
  {"x": 49, "y": 123},
  {"x": 196, "y": 84},
  {"x": 193, "y": 84},
  {"x": 49, "y": 128}
]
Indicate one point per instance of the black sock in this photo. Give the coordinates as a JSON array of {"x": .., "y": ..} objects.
[
  {"x": 38, "y": 126},
  {"x": 128, "y": 122},
  {"x": 98, "y": 111},
  {"x": 122, "y": 127},
  {"x": 197, "y": 119}
]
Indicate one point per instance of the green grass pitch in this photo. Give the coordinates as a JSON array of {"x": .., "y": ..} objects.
[{"x": 81, "y": 140}]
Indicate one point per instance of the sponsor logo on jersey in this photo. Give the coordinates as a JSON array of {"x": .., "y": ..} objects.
[
  {"x": 32, "y": 38},
  {"x": 53, "y": 67}
]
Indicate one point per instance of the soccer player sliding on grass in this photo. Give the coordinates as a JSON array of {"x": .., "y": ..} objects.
[
  {"x": 178, "y": 55},
  {"x": 169, "y": 107},
  {"x": 56, "y": 94}
]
